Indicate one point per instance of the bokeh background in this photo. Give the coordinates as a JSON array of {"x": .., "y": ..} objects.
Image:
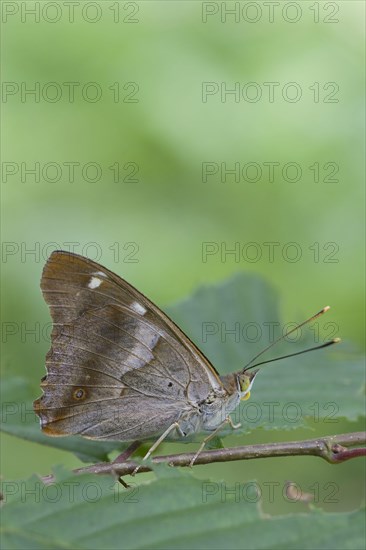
[{"x": 138, "y": 201}]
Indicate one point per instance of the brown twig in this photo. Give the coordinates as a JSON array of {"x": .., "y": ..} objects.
[{"x": 332, "y": 448}]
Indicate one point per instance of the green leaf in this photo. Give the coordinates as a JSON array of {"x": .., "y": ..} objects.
[
  {"x": 231, "y": 323},
  {"x": 214, "y": 443},
  {"x": 181, "y": 512},
  {"x": 18, "y": 418}
]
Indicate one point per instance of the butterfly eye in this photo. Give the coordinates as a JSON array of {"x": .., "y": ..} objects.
[
  {"x": 244, "y": 383},
  {"x": 79, "y": 394}
]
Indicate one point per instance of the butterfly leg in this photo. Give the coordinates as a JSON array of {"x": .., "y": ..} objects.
[
  {"x": 234, "y": 426},
  {"x": 125, "y": 455},
  {"x": 227, "y": 420},
  {"x": 127, "y": 452},
  {"x": 174, "y": 426}
]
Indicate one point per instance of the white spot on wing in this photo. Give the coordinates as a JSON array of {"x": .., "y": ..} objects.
[
  {"x": 138, "y": 308},
  {"x": 100, "y": 274},
  {"x": 94, "y": 283}
]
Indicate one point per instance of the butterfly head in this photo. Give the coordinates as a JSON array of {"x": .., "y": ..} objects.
[{"x": 245, "y": 383}]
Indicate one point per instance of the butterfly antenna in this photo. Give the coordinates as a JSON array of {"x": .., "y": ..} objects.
[
  {"x": 312, "y": 318},
  {"x": 325, "y": 345}
]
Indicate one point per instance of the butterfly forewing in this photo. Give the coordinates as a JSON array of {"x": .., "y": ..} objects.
[{"x": 118, "y": 367}]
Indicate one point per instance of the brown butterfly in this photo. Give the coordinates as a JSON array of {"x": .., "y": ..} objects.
[{"x": 120, "y": 369}]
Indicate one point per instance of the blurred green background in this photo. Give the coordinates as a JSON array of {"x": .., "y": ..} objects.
[{"x": 151, "y": 224}]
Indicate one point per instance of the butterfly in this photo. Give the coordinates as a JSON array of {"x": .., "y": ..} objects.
[{"x": 120, "y": 369}]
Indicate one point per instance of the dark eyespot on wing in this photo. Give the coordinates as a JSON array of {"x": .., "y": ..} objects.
[{"x": 79, "y": 394}]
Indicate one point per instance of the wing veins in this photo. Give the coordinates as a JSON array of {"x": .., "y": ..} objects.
[{"x": 167, "y": 372}]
